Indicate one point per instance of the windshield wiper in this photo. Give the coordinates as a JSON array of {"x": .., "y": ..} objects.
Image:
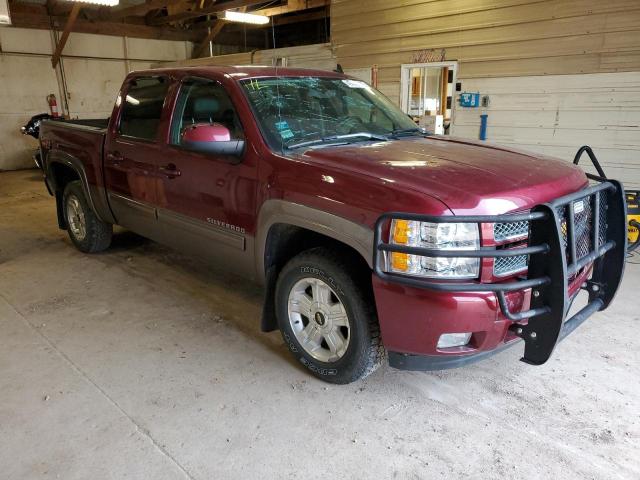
[
  {"x": 333, "y": 138},
  {"x": 407, "y": 131}
]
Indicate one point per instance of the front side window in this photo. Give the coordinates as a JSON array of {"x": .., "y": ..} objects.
[
  {"x": 142, "y": 107},
  {"x": 205, "y": 102},
  {"x": 295, "y": 111}
]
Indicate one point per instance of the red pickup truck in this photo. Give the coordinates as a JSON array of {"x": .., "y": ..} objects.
[{"x": 370, "y": 236}]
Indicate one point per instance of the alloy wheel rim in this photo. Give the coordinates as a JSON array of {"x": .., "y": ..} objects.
[
  {"x": 319, "y": 320},
  {"x": 75, "y": 218}
]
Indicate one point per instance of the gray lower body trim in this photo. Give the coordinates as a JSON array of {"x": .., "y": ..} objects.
[
  {"x": 275, "y": 211},
  {"x": 425, "y": 363},
  {"x": 137, "y": 216},
  {"x": 231, "y": 251},
  {"x": 206, "y": 230}
]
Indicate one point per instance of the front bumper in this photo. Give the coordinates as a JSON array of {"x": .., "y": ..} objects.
[{"x": 413, "y": 312}]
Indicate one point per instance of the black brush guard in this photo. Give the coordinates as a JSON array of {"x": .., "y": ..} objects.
[
  {"x": 596, "y": 164},
  {"x": 552, "y": 263}
]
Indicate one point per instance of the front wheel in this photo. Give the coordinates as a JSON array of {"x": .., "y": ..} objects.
[
  {"x": 87, "y": 232},
  {"x": 327, "y": 318}
]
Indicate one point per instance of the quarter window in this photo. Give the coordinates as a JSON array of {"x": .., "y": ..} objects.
[{"x": 142, "y": 107}]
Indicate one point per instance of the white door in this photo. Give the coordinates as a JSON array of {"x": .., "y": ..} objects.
[{"x": 426, "y": 94}]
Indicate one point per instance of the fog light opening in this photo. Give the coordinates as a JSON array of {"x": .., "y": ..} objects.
[{"x": 454, "y": 340}]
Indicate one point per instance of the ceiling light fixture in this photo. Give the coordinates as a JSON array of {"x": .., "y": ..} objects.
[
  {"x": 106, "y": 3},
  {"x": 241, "y": 17}
]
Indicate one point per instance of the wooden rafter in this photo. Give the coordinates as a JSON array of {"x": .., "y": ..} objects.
[
  {"x": 303, "y": 17},
  {"x": 43, "y": 22},
  {"x": 138, "y": 10},
  {"x": 65, "y": 33},
  {"x": 292, "y": 6},
  {"x": 213, "y": 33},
  {"x": 62, "y": 8},
  {"x": 210, "y": 10},
  {"x": 149, "y": 20}
]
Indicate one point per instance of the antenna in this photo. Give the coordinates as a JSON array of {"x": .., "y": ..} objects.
[{"x": 273, "y": 36}]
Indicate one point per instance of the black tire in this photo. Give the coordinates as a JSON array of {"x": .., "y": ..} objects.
[
  {"x": 97, "y": 233},
  {"x": 364, "y": 352}
]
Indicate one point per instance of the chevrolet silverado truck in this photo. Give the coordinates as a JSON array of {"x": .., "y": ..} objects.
[{"x": 372, "y": 239}]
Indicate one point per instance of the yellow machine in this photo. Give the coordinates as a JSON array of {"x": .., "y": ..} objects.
[{"x": 633, "y": 215}]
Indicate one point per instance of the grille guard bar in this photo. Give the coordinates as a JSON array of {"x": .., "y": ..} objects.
[{"x": 551, "y": 264}]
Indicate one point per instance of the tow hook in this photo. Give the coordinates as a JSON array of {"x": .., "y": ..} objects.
[{"x": 592, "y": 287}]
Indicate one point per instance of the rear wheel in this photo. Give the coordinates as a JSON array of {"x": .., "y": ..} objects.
[
  {"x": 327, "y": 318},
  {"x": 87, "y": 232}
]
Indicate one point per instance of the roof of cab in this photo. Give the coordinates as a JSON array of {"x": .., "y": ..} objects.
[{"x": 241, "y": 71}]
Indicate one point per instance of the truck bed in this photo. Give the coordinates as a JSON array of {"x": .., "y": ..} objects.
[
  {"x": 77, "y": 143},
  {"x": 93, "y": 123}
]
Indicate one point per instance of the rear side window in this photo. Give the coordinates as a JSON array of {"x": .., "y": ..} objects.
[{"x": 142, "y": 107}]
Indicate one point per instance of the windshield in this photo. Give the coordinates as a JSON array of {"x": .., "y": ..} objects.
[{"x": 300, "y": 111}]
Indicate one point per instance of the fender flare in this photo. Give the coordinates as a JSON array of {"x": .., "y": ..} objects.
[
  {"x": 62, "y": 158},
  {"x": 275, "y": 211}
]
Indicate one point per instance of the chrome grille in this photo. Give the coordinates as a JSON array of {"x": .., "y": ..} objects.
[
  {"x": 510, "y": 230},
  {"x": 583, "y": 228},
  {"x": 508, "y": 265},
  {"x": 504, "y": 232},
  {"x": 602, "y": 233},
  {"x": 583, "y": 225}
]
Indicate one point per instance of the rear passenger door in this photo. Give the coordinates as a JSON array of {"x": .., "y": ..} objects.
[{"x": 131, "y": 154}]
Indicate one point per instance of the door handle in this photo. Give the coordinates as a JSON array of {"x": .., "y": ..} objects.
[
  {"x": 170, "y": 171},
  {"x": 115, "y": 158}
]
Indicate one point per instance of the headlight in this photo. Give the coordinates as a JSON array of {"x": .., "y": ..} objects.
[{"x": 442, "y": 236}]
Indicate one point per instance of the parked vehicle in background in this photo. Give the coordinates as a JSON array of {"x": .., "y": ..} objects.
[
  {"x": 32, "y": 128},
  {"x": 370, "y": 237}
]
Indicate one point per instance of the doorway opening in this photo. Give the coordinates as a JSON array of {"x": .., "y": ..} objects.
[{"x": 427, "y": 91}]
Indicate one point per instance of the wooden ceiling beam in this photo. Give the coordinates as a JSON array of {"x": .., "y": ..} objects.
[
  {"x": 141, "y": 9},
  {"x": 292, "y": 6},
  {"x": 210, "y": 10},
  {"x": 65, "y": 33},
  {"x": 304, "y": 17},
  {"x": 64, "y": 8},
  {"x": 213, "y": 33},
  {"x": 30, "y": 8},
  {"x": 43, "y": 22}
]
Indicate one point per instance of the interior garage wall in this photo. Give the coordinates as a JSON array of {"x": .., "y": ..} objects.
[
  {"x": 90, "y": 73},
  {"x": 556, "y": 114},
  {"x": 552, "y": 68}
]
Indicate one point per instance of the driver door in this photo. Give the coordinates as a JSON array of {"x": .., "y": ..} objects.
[{"x": 206, "y": 201}]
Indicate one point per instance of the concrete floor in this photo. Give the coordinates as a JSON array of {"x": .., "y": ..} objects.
[{"x": 140, "y": 363}]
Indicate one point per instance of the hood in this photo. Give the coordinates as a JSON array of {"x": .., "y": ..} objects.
[{"x": 469, "y": 177}]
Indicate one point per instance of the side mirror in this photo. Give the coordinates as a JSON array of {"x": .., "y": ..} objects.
[{"x": 211, "y": 138}]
